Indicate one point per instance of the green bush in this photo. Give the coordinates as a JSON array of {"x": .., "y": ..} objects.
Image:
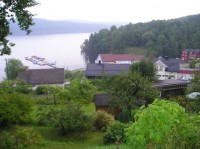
[
  {"x": 72, "y": 119},
  {"x": 67, "y": 120},
  {"x": 102, "y": 120},
  {"x": 11, "y": 86},
  {"x": 40, "y": 90},
  {"x": 47, "y": 116},
  {"x": 26, "y": 137},
  {"x": 22, "y": 138},
  {"x": 7, "y": 140},
  {"x": 15, "y": 108},
  {"x": 115, "y": 133},
  {"x": 164, "y": 124}
]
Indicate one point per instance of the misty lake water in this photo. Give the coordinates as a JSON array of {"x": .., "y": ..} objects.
[{"x": 64, "y": 49}]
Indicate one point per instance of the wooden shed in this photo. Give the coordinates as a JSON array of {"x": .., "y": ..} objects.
[{"x": 102, "y": 103}]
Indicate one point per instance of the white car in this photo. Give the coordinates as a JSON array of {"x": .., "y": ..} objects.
[{"x": 193, "y": 95}]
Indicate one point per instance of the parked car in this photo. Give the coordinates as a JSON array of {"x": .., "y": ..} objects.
[{"x": 193, "y": 95}]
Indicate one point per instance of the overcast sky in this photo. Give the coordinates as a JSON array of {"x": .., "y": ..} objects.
[{"x": 115, "y": 10}]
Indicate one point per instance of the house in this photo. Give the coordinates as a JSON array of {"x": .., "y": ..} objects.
[
  {"x": 101, "y": 102},
  {"x": 189, "y": 54},
  {"x": 167, "y": 68},
  {"x": 118, "y": 58},
  {"x": 187, "y": 74},
  {"x": 43, "y": 76},
  {"x": 94, "y": 70}
]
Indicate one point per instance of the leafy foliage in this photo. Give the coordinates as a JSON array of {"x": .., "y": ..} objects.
[
  {"x": 80, "y": 90},
  {"x": 130, "y": 91},
  {"x": 15, "y": 108},
  {"x": 10, "y": 11},
  {"x": 164, "y": 124},
  {"x": 19, "y": 86},
  {"x": 21, "y": 138},
  {"x": 145, "y": 68},
  {"x": 194, "y": 105},
  {"x": 13, "y": 67},
  {"x": 115, "y": 132},
  {"x": 71, "y": 75},
  {"x": 195, "y": 83},
  {"x": 68, "y": 119},
  {"x": 102, "y": 120},
  {"x": 159, "y": 38}
]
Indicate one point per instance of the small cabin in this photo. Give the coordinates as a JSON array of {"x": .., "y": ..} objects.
[{"x": 102, "y": 103}]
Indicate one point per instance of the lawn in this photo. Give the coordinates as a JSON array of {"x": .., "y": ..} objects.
[{"x": 86, "y": 140}]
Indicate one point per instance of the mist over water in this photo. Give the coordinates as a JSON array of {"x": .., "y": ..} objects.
[{"x": 64, "y": 49}]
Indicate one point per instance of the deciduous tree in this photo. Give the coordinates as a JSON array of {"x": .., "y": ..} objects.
[
  {"x": 146, "y": 69},
  {"x": 13, "y": 67},
  {"x": 129, "y": 91},
  {"x": 11, "y": 11}
]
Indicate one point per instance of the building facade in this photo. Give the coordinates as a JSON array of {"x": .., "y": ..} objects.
[{"x": 189, "y": 54}]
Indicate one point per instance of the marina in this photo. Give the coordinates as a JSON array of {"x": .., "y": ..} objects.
[{"x": 40, "y": 61}]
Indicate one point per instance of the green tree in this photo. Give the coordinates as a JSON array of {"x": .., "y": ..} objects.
[
  {"x": 71, "y": 75},
  {"x": 192, "y": 64},
  {"x": 11, "y": 86},
  {"x": 130, "y": 91},
  {"x": 81, "y": 91},
  {"x": 194, "y": 105},
  {"x": 145, "y": 68},
  {"x": 15, "y": 108},
  {"x": 11, "y": 11},
  {"x": 164, "y": 124},
  {"x": 13, "y": 67}
]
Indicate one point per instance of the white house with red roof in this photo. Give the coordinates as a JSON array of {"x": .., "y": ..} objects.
[{"x": 118, "y": 58}]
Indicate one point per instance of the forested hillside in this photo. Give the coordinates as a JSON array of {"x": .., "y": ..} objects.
[{"x": 158, "y": 38}]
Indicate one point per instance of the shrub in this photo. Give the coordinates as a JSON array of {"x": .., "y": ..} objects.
[
  {"x": 115, "y": 133},
  {"x": 72, "y": 119},
  {"x": 68, "y": 119},
  {"x": 164, "y": 124},
  {"x": 47, "y": 116},
  {"x": 19, "y": 139},
  {"x": 40, "y": 90},
  {"x": 7, "y": 141},
  {"x": 27, "y": 137},
  {"x": 102, "y": 120},
  {"x": 11, "y": 86},
  {"x": 15, "y": 108}
]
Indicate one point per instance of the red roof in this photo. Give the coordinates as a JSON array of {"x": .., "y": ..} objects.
[
  {"x": 187, "y": 71},
  {"x": 120, "y": 57}
]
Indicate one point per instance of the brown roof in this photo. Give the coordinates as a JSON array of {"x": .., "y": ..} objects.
[
  {"x": 43, "y": 76},
  {"x": 120, "y": 57}
]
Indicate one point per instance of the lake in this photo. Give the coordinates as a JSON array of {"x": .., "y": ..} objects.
[{"x": 64, "y": 49}]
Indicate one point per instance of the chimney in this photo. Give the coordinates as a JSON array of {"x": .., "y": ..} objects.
[{"x": 166, "y": 57}]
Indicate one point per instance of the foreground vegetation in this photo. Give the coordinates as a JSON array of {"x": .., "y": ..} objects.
[{"x": 51, "y": 117}]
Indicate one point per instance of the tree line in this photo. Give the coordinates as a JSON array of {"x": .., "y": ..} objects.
[{"x": 157, "y": 37}]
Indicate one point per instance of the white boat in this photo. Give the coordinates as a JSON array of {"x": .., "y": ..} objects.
[{"x": 40, "y": 61}]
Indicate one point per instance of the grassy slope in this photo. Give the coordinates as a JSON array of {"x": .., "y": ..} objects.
[{"x": 87, "y": 140}]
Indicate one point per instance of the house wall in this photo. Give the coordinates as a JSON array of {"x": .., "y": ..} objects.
[
  {"x": 123, "y": 62},
  {"x": 98, "y": 59},
  {"x": 163, "y": 75},
  {"x": 183, "y": 76}
]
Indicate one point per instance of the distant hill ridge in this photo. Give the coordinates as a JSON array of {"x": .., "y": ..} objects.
[
  {"x": 157, "y": 38},
  {"x": 43, "y": 26}
]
